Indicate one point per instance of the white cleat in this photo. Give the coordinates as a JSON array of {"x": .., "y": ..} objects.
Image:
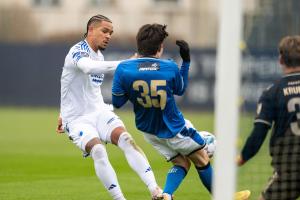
[
  {"x": 164, "y": 196},
  {"x": 157, "y": 194}
]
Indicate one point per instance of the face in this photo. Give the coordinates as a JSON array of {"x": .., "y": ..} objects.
[{"x": 100, "y": 35}]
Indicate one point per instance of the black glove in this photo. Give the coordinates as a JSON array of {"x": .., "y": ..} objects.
[{"x": 184, "y": 50}]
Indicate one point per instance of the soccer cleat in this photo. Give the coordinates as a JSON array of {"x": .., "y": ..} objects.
[
  {"x": 163, "y": 196},
  {"x": 157, "y": 194},
  {"x": 242, "y": 195}
]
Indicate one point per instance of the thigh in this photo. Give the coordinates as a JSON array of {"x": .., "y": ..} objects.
[
  {"x": 106, "y": 122},
  {"x": 186, "y": 145},
  {"x": 283, "y": 186},
  {"x": 161, "y": 146},
  {"x": 81, "y": 132}
]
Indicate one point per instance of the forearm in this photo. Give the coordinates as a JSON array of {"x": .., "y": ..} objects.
[
  {"x": 184, "y": 72},
  {"x": 90, "y": 66},
  {"x": 254, "y": 141}
]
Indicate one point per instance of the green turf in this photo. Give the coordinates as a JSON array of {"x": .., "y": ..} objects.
[{"x": 38, "y": 164}]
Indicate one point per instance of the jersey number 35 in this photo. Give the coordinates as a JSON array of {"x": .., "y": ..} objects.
[{"x": 151, "y": 96}]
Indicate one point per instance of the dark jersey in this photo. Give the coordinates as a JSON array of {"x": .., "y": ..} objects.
[
  {"x": 150, "y": 84},
  {"x": 279, "y": 106}
]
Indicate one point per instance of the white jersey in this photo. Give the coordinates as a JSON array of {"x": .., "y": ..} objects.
[{"x": 81, "y": 80}]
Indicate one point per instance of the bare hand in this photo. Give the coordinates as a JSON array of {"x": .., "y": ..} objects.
[
  {"x": 59, "y": 127},
  {"x": 240, "y": 161}
]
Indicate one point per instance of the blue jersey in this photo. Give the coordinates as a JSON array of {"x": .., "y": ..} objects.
[{"x": 150, "y": 84}]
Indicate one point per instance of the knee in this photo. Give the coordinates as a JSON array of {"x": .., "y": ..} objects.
[
  {"x": 98, "y": 153},
  {"x": 183, "y": 162},
  {"x": 200, "y": 158},
  {"x": 127, "y": 143}
]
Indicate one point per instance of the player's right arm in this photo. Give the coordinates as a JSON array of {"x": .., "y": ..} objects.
[
  {"x": 82, "y": 60},
  {"x": 89, "y": 66},
  {"x": 262, "y": 124}
]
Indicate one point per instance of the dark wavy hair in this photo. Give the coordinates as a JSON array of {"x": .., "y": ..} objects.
[
  {"x": 95, "y": 19},
  {"x": 149, "y": 38}
]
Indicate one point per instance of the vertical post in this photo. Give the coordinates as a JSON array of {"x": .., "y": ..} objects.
[{"x": 227, "y": 97}]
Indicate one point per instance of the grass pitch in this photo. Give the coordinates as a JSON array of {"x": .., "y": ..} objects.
[{"x": 38, "y": 164}]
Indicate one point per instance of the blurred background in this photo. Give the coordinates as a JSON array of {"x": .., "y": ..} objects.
[{"x": 35, "y": 36}]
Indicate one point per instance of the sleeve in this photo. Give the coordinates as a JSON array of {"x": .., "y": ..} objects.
[
  {"x": 181, "y": 79},
  {"x": 87, "y": 65},
  {"x": 119, "y": 96},
  {"x": 265, "y": 108},
  {"x": 90, "y": 66},
  {"x": 254, "y": 141}
]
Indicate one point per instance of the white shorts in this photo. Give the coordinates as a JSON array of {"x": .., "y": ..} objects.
[
  {"x": 180, "y": 144},
  {"x": 95, "y": 125}
]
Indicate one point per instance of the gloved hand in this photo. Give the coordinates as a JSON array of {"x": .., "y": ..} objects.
[{"x": 184, "y": 50}]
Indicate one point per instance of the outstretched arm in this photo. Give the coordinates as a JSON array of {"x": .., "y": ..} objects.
[
  {"x": 253, "y": 143},
  {"x": 90, "y": 66}
]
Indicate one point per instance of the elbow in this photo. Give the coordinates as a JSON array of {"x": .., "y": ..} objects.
[
  {"x": 180, "y": 93},
  {"x": 116, "y": 102},
  {"x": 116, "y": 105}
]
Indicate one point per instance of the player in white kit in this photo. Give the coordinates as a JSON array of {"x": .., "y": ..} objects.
[{"x": 87, "y": 120}]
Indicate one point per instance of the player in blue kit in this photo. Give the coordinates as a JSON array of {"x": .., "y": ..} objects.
[{"x": 150, "y": 84}]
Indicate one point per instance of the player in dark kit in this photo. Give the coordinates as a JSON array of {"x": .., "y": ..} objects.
[{"x": 279, "y": 106}]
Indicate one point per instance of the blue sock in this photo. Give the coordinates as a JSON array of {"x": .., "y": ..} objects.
[
  {"x": 205, "y": 174},
  {"x": 175, "y": 176}
]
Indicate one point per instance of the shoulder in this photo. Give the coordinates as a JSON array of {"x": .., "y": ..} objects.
[
  {"x": 271, "y": 90},
  {"x": 168, "y": 62},
  {"x": 81, "y": 46}
]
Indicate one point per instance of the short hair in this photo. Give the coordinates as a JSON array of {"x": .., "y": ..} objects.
[
  {"x": 96, "y": 18},
  {"x": 149, "y": 38},
  {"x": 289, "y": 49}
]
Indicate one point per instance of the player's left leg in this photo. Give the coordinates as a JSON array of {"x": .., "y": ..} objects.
[
  {"x": 204, "y": 169},
  {"x": 111, "y": 129},
  {"x": 135, "y": 158},
  {"x": 176, "y": 174}
]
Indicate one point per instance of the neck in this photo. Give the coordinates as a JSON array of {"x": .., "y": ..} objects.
[
  {"x": 157, "y": 55},
  {"x": 290, "y": 70},
  {"x": 90, "y": 43}
]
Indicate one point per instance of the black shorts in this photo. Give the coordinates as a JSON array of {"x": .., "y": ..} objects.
[{"x": 283, "y": 186}]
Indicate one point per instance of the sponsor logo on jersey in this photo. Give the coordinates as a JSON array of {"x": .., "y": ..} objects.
[
  {"x": 148, "y": 66},
  {"x": 97, "y": 79}
]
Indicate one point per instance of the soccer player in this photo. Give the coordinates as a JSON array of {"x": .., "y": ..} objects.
[
  {"x": 150, "y": 84},
  {"x": 87, "y": 120},
  {"x": 279, "y": 107}
]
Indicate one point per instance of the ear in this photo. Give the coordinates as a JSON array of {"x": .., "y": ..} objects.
[{"x": 281, "y": 61}]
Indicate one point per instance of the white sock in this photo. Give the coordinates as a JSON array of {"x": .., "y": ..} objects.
[
  {"x": 105, "y": 172},
  {"x": 137, "y": 160}
]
